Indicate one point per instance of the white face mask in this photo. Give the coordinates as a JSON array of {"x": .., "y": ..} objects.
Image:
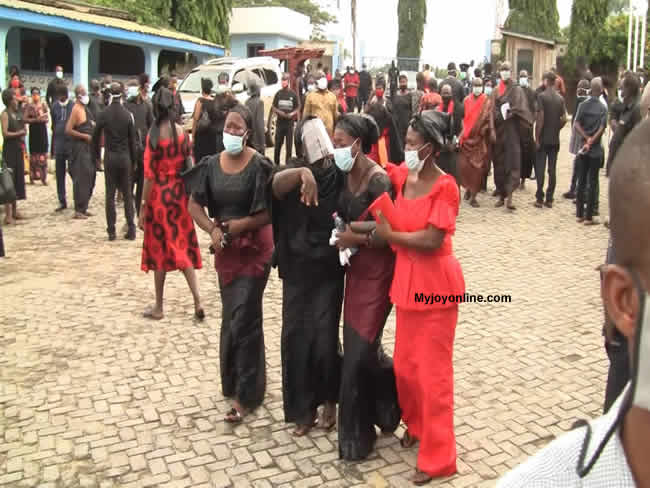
[
  {"x": 488, "y": 90},
  {"x": 59, "y": 74},
  {"x": 477, "y": 90},
  {"x": 505, "y": 75},
  {"x": 311, "y": 87},
  {"x": 322, "y": 84},
  {"x": 85, "y": 99},
  {"x": 132, "y": 91},
  {"x": 523, "y": 81},
  {"x": 413, "y": 161}
]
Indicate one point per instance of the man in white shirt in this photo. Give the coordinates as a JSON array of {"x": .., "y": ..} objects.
[{"x": 613, "y": 451}]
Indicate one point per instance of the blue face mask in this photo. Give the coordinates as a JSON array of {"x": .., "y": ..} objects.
[
  {"x": 343, "y": 158},
  {"x": 233, "y": 145}
]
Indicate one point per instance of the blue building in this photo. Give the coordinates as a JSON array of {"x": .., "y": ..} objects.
[
  {"x": 88, "y": 42},
  {"x": 255, "y": 29}
]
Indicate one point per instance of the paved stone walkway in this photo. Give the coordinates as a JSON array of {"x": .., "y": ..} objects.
[{"x": 92, "y": 395}]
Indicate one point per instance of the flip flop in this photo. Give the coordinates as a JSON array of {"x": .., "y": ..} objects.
[
  {"x": 407, "y": 441},
  {"x": 148, "y": 314},
  {"x": 233, "y": 417},
  {"x": 420, "y": 478},
  {"x": 326, "y": 426}
]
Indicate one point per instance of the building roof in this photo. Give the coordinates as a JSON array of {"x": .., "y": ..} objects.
[
  {"x": 519, "y": 35},
  {"x": 84, "y": 14}
]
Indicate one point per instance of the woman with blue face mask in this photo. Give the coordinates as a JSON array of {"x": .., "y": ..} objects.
[
  {"x": 426, "y": 204},
  {"x": 367, "y": 395},
  {"x": 234, "y": 186}
]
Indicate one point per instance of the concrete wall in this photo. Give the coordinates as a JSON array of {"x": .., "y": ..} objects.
[
  {"x": 239, "y": 43},
  {"x": 544, "y": 57}
]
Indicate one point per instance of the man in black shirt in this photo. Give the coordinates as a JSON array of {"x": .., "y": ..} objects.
[
  {"x": 551, "y": 118},
  {"x": 590, "y": 123},
  {"x": 457, "y": 90},
  {"x": 627, "y": 118},
  {"x": 139, "y": 105},
  {"x": 365, "y": 87},
  {"x": 286, "y": 106},
  {"x": 51, "y": 94},
  {"x": 528, "y": 150},
  {"x": 118, "y": 126}
]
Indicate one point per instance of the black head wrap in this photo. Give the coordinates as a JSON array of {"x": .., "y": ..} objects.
[
  {"x": 432, "y": 125},
  {"x": 362, "y": 126},
  {"x": 236, "y": 107}
]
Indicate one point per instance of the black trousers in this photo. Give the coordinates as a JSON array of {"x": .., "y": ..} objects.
[
  {"x": 619, "y": 371},
  {"x": 351, "y": 102},
  {"x": 547, "y": 152},
  {"x": 2, "y": 244},
  {"x": 118, "y": 174},
  {"x": 138, "y": 183},
  {"x": 588, "y": 187},
  {"x": 61, "y": 170},
  {"x": 283, "y": 133},
  {"x": 574, "y": 184}
]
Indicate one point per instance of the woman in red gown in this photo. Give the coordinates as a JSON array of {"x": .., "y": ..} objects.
[
  {"x": 426, "y": 205},
  {"x": 170, "y": 241}
]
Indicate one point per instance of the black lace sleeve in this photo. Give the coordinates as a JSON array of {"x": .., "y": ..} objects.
[
  {"x": 197, "y": 181},
  {"x": 263, "y": 181}
]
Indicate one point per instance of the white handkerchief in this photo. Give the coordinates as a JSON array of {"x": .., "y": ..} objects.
[{"x": 504, "y": 110}]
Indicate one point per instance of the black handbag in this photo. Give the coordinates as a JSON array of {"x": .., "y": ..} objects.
[{"x": 7, "y": 189}]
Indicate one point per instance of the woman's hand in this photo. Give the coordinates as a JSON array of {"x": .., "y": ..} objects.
[
  {"x": 216, "y": 236},
  {"x": 141, "y": 217},
  {"x": 347, "y": 239},
  {"x": 308, "y": 188},
  {"x": 384, "y": 230}
]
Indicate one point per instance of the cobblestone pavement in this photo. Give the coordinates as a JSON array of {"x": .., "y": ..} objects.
[{"x": 91, "y": 394}]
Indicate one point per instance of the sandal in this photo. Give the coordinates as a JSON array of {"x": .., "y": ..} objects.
[
  {"x": 149, "y": 314},
  {"x": 474, "y": 204},
  {"x": 500, "y": 203},
  {"x": 510, "y": 206},
  {"x": 303, "y": 430},
  {"x": 326, "y": 422},
  {"x": 234, "y": 416},
  {"x": 420, "y": 478},
  {"x": 407, "y": 441}
]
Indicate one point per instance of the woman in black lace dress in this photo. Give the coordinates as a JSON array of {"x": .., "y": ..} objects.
[
  {"x": 368, "y": 395},
  {"x": 13, "y": 134},
  {"x": 234, "y": 186}
]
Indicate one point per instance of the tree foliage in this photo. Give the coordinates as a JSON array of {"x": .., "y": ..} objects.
[
  {"x": 587, "y": 20},
  {"x": 318, "y": 17},
  {"x": 534, "y": 17},
  {"x": 412, "y": 16},
  {"x": 207, "y": 19}
]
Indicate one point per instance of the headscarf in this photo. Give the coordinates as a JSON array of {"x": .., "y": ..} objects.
[
  {"x": 361, "y": 126},
  {"x": 432, "y": 125}
]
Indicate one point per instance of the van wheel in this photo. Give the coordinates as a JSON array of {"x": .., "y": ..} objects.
[{"x": 273, "y": 125}]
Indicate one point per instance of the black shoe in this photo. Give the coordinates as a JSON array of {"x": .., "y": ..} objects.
[
  {"x": 569, "y": 195},
  {"x": 548, "y": 204},
  {"x": 61, "y": 208},
  {"x": 130, "y": 235},
  {"x": 111, "y": 237},
  {"x": 539, "y": 204}
]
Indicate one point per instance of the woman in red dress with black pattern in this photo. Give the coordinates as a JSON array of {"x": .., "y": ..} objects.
[
  {"x": 170, "y": 241},
  {"x": 426, "y": 203}
]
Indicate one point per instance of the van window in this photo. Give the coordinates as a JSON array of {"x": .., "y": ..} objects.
[
  {"x": 259, "y": 72},
  {"x": 244, "y": 77},
  {"x": 270, "y": 76}
]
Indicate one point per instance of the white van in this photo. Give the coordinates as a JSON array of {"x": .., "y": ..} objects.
[{"x": 241, "y": 71}]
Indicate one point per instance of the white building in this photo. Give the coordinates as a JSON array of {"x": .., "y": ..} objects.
[{"x": 254, "y": 29}]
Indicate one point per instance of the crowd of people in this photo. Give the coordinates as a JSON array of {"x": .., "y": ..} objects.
[{"x": 316, "y": 215}]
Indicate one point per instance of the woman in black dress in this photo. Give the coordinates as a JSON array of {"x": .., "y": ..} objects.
[
  {"x": 36, "y": 115},
  {"x": 305, "y": 195},
  {"x": 368, "y": 392},
  {"x": 234, "y": 186},
  {"x": 13, "y": 133},
  {"x": 204, "y": 130}
]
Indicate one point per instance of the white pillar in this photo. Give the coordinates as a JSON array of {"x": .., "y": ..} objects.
[
  {"x": 636, "y": 42},
  {"x": 80, "y": 49},
  {"x": 629, "y": 38},
  {"x": 3, "y": 59},
  {"x": 643, "y": 38},
  {"x": 151, "y": 63}
]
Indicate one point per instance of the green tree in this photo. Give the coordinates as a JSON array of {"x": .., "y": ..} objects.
[
  {"x": 318, "y": 17},
  {"x": 587, "y": 20},
  {"x": 207, "y": 19},
  {"x": 412, "y": 16},
  {"x": 534, "y": 17}
]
